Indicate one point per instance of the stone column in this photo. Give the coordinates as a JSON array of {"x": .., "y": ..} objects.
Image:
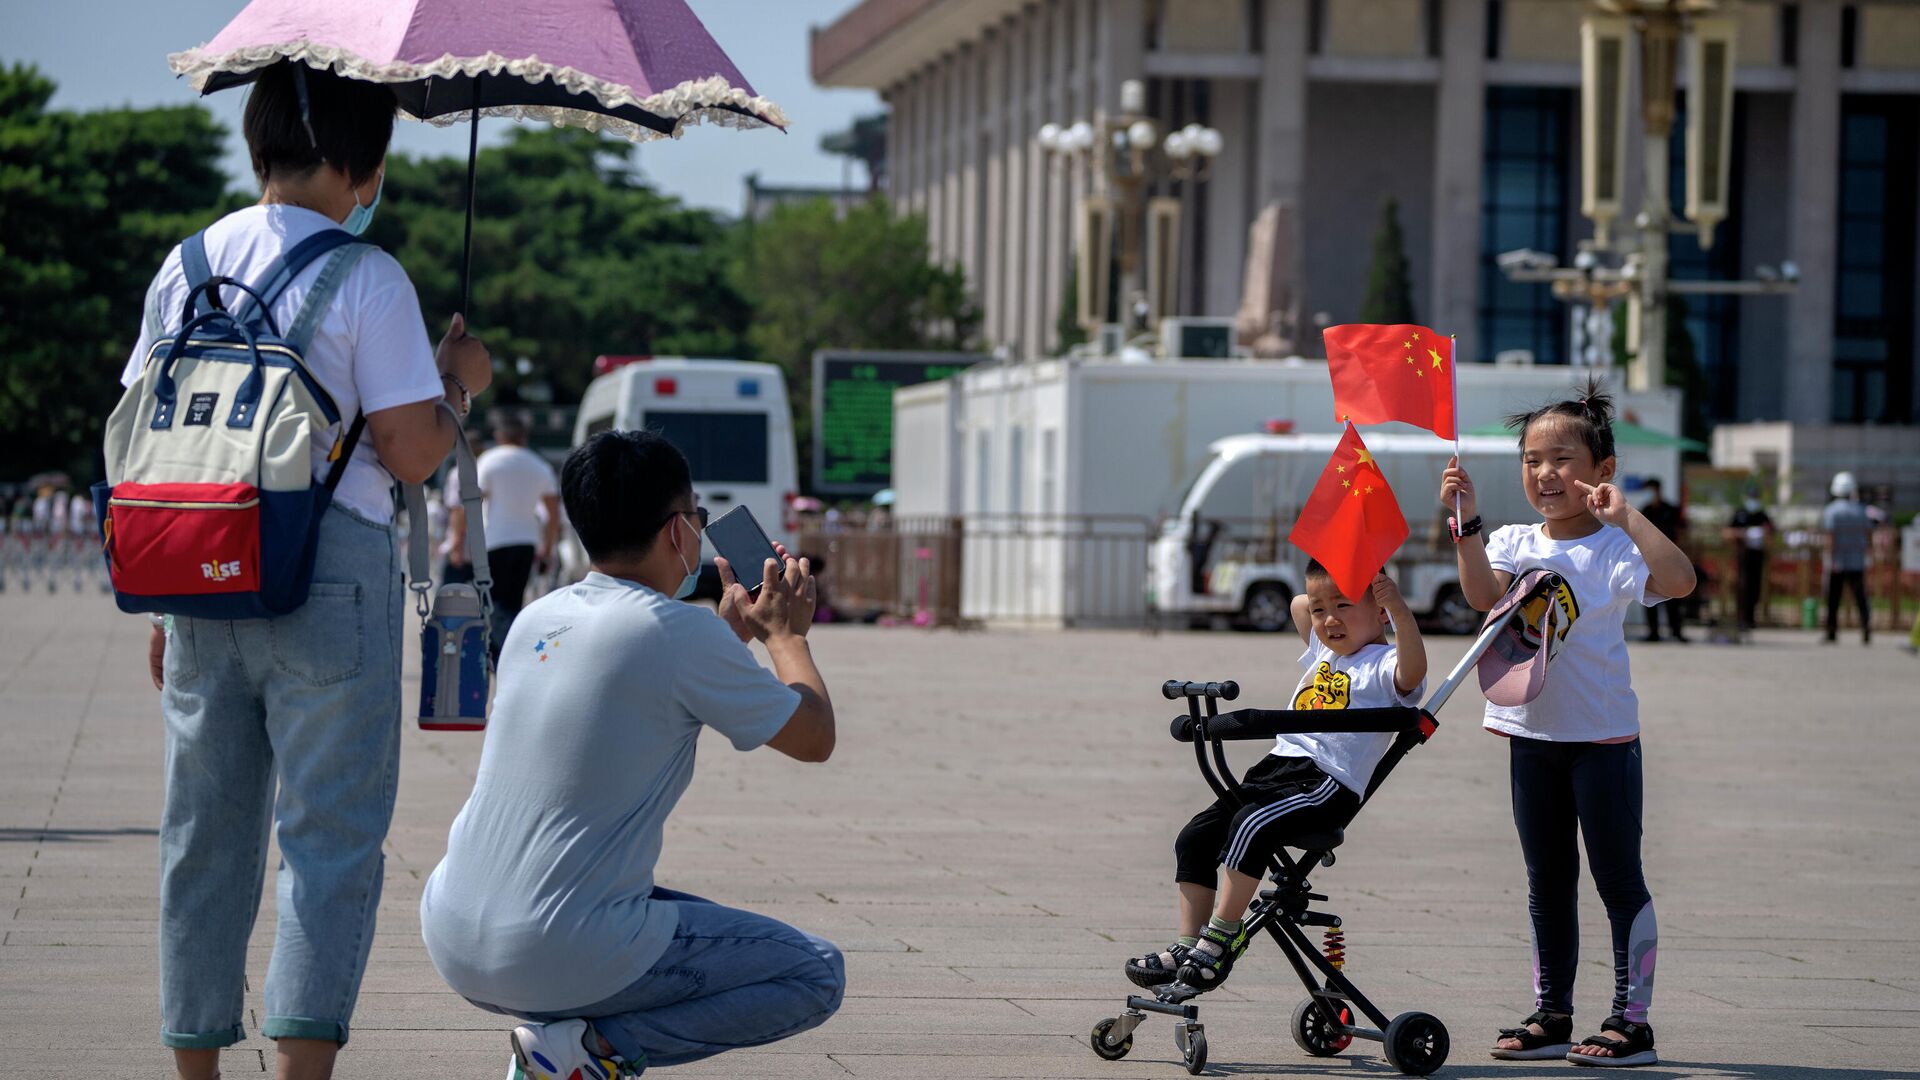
[
  {"x": 967, "y": 233},
  {"x": 1121, "y": 51},
  {"x": 1816, "y": 193},
  {"x": 1016, "y": 136},
  {"x": 993, "y": 210},
  {"x": 955, "y": 139},
  {"x": 1033, "y": 238},
  {"x": 1280, "y": 169},
  {"x": 1086, "y": 19},
  {"x": 1059, "y": 109},
  {"x": 1460, "y": 116}
]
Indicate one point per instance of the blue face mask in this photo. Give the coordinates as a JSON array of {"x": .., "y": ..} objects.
[
  {"x": 362, "y": 216},
  {"x": 688, "y": 583}
]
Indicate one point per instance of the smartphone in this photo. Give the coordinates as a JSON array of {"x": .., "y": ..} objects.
[{"x": 738, "y": 538}]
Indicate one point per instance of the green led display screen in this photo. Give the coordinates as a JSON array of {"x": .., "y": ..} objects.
[{"x": 853, "y": 413}]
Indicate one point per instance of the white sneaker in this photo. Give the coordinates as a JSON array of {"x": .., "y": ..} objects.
[{"x": 558, "y": 1051}]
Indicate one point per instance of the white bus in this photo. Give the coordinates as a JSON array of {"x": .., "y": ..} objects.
[{"x": 729, "y": 417}]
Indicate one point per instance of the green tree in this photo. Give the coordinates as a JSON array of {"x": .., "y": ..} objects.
[
  {"x": 1066, "y": 327},
  {"x": 816, "y": 279},
  {"x": 90, "y": 204},
  {"x": 574, "y": 256},
  {"x": 1683, "y": 367},
  {"x": 1389, "y": 276}
]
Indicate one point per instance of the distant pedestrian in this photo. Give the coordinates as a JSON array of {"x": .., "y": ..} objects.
[
  {"x": 1672, "y": 523},
  {"x": 1848, "y": 530},
  {"x": 1749, "y": 532},
  {"x": 520, "y": 503}
]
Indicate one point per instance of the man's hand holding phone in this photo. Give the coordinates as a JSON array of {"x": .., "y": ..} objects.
[{"x": 783, "y": 606}]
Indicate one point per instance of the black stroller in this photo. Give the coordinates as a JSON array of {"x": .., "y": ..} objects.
[{"x": 1323, "y": 1025}]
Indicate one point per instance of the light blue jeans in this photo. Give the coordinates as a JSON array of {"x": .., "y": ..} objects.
[
  {"x": 731, "y": 979},
  {"x": 310, "y": 700}
]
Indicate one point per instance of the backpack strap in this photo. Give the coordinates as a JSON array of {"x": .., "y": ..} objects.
[
  {"x": 199, "y": 274},
  {"x": 306, "y": 321},
  {"x": 281, "y": 272}
]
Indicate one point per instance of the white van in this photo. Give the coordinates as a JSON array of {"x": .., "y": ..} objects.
[
  {"x": 1226, "y": 555},
  {"x": 729, "y": 417}
]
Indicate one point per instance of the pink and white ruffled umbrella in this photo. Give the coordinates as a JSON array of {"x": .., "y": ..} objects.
[{"x": 642, "y": 69}]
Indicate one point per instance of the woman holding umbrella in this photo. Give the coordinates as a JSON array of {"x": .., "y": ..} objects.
[{"x": 310, "y": 699}]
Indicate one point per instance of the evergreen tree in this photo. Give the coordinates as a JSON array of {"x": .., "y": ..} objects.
[
  {"x": 1067, "y": 326},
  {"x": 1389, "y": 276}
]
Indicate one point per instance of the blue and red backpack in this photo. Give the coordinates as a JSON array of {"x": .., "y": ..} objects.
[{"x": 210, "y": 508}]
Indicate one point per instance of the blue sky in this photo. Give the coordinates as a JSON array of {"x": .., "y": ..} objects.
[{"x": 107, "y": 53}]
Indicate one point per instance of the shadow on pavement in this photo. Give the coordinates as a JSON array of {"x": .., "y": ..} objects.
[{"x": 65, "y": 836}]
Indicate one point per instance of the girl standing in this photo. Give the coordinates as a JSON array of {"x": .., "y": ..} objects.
[{"x": 1575, "y": 748}]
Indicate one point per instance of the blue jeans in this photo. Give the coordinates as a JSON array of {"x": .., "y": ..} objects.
[
  {"x": 310, "y": 700},
  {"x": 730, "y": 979}
]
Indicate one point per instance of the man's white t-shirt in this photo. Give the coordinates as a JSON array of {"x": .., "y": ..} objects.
[
  {"x": 544, "y": 901},
  {"x": 1361, "y": 681},
  {"x": 513, "y": 480},
  {"x": 1588, "y": 694},
  {"x": 370, "y": 351}
]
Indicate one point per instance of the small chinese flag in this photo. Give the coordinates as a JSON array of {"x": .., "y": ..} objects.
[
  {"x": 1396, "y": 372},
  {"x": 1351, "y": 522}
]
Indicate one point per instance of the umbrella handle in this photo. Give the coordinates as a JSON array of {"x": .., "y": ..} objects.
[{"x": 473, "y": 160}]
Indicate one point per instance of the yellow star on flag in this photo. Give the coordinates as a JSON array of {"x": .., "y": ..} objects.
[
  {"x": 1339, "y": 468},
  {"x": 1435, "y": 353},
  {"x": 1369, "y": 489},
  {"x": 1364, "y": 458},
  {"x": 1346, "y": 483}
]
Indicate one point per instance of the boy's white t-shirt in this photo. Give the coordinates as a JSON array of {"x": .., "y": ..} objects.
[
  {"x": 1588, "y": 696},
  {"x": 1331, "y": 681},
  {"x": 370, "y": 351},
  {"x": 514, "y": 480}
]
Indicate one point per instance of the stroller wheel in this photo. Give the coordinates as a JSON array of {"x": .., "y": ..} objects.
[
  {"x": 1416, "y": 1043},
  {"x": 1193, "y": 1048},
  {"x": 1106, "y": 1050},
  {"x": 1312, "y": 1033}
]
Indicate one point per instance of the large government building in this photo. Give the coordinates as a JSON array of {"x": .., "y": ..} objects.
[{"x": 1465, "y": 111}]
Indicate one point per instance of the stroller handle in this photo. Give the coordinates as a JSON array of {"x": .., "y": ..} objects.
[{"x": 1175, "y": 689}]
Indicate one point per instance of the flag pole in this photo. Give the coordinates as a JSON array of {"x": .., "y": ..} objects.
[{"x": 1453, "y": 348}]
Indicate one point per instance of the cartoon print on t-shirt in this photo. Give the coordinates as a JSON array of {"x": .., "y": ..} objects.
[
  {"x": 1330, "y": 689},
  {"x": 1534, "y": 611}
]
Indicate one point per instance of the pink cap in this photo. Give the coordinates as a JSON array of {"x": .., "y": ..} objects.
[{"x": 1513, "y": 670}]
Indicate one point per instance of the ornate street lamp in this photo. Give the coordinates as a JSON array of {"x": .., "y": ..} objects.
[{"x": 1121, "y": 150}]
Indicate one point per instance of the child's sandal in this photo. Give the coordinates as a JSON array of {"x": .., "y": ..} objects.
[
  {"x": 1203, "y": 970},
  {"x": 1555, "y": 1039},
  {"x": 1150, "y": 971},
  {"x": 1634, "y": 1048}
]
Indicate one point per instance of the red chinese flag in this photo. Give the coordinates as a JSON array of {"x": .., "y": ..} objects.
[
  {"x": 1351, "y": 522},
  {"x": 1396, "y": 372}
]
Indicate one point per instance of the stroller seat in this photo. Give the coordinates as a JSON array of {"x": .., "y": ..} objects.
[{"x": 1323, "y": 840}]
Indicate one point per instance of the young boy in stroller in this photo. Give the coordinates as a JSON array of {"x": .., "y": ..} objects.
[{"x": 1309, "y": 783}]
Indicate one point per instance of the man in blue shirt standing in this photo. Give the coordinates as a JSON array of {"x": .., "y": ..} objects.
[
  {"x": 1849, "y": 531},
  {"x": 545, "y": 907}
]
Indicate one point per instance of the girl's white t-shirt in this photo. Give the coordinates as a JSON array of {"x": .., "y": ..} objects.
[
  {"x": 370, "y": 352},
  {"x": 1588, "y": 694}
]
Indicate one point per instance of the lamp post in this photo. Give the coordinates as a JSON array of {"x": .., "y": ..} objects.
[
  {"x": 1121, "y": 149},
  {"x": 1636, "y": 266}
]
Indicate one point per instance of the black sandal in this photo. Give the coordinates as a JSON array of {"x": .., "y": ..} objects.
[
  {"x": 1635, "y": 1048},
  {"x": 1556, "y": 1041},
  {"x": 1204, "y": 970},
  {"x": 1150, "y": 971}
]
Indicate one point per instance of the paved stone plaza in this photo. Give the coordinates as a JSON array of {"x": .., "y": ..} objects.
[{"x": 993, "y": 838}]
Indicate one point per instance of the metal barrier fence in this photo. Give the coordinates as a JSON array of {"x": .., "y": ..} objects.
[
  {"x": 54, "y": 562},
  {"x": 1793, "y": 590},
  {"x": 1060, "y": 570}
]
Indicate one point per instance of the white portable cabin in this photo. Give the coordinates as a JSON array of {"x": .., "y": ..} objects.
[{"x": 1069, "y": 448}]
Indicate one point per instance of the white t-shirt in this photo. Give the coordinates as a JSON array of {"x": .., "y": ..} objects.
[
  {"x": 370, "y": 352},
  {"x": 513, "y": 480},
  {"x": 57, "y": 513},
  {"x": 1361, "y": 681},
  {"x": 79, "y": 515},
  {"x": 1588, "y": 695}
]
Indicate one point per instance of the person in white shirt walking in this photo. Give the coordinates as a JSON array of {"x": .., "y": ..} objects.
[{"x": 516, "y": 485}]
